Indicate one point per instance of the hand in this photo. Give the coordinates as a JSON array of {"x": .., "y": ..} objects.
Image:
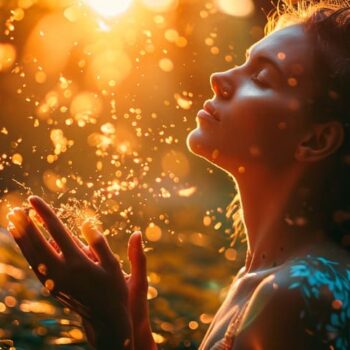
[{"x": 94, "y": 286}]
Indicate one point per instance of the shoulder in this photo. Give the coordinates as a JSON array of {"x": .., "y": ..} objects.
[{"x": 304, "y": 305}]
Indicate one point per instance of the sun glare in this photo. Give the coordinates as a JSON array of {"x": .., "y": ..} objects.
[{"x": 109, "y": 8}]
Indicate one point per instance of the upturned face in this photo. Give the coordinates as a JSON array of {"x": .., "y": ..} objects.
[{"x": 260, "y": 109}]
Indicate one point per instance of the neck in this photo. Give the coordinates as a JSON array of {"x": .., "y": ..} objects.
[{"x": 273, "y": 236}]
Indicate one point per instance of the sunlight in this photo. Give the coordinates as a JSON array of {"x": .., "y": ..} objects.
[{"x": 109, "y": 8}]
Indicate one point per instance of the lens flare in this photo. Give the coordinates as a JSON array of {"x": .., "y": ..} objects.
[{"x": 109, "y": 8}]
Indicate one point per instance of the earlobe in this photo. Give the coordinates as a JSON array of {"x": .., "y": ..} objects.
[{"x": 320, "y": 142}]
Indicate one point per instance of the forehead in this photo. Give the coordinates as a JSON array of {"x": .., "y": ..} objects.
[{"x": 291, "y": 47}]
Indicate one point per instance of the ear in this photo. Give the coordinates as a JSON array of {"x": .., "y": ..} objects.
[{"x": 320, "y": 142}]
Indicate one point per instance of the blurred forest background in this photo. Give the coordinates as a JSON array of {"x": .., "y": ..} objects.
[{"x": 97, "y": 99}]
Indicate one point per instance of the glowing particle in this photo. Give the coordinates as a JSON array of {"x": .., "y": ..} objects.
[
  {"x": 181, "y": 41},
  {"x": 42, "y": 269},
  {"x": 86, "y": 107},
  {"x": 152, "y": 293},
  {"x": 292, "y": 82},
  {"x": 217, "y": 226},
  {"x": 209, "y": 41},
  {"x": 10, "y": 301},
  {"x": 108, "y": 129},
  {"x": 2, "y": 307},
  {"x": 166, "y": 65},
  {"x": 207, "y": 221},
  {"x": 158, "y": 339},
  {"x": 337, "y": 304},
  {"x": 18, "y": 14},
  {"x": 7, "y": 56},
  {"x": 206, "y": 318},
  {"x": 241, "y": 169},
  {"x": 183, "y": 102},
  {"x": 187, "y": 192},
  {"x": 51, "y": 158},
  {"x": 193, "y": 325},
  {"x": 171, "y": 35},
  {"x": 215, "y": 50},
  {"x": 255, "y": 151},
  {"x": 40, "y": 77},
  {"x": 231, "y": 254},
  {"x": 281, "y": 56},
  {"x": 17, "y": 159},
  {"x": 76, "y": 334},
  {"x": 153, "y": 232},
  {"x": 49, "y": 285}
]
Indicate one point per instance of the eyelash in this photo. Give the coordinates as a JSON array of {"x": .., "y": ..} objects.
[{"x": 258, "y": 81}]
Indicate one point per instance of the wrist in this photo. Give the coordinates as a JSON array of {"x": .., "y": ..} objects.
[
  {"x": 113, "y": 331},
  {"x": 143, "y": 338}
]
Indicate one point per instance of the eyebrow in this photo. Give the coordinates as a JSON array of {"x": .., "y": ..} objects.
[{"x": 267, "y": 59}]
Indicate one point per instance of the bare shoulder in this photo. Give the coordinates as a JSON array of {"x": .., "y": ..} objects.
[{"x": 303, "y": 305}]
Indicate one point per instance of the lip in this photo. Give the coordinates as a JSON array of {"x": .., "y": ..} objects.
[
  {"x": 203, "y": 114},
  {"x": 209, "y": 108}
]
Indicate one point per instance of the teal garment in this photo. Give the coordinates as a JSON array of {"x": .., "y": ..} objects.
[{"x": 320, "y": 280}]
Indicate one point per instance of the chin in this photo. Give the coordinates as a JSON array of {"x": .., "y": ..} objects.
[{"x": 200, "y": 144}]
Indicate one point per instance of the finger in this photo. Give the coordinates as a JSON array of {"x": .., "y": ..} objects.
[
  {"x": 33, "y": 244},
  {"x": 55, "y": 246},
  {"x": 138, "y": 261},
  {"x": 56, "y": 228},
  {"x": 99, "y": 245},
  {"x": 85, "y": 249}
]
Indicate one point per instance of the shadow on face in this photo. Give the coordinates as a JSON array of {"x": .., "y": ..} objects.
[{"x": 260, "y": 113}]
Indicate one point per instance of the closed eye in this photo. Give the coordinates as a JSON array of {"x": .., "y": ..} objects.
[{"x": 262, "y": 78}]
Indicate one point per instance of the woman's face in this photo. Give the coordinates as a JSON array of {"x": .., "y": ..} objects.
[{"x": 260, "y": 109}]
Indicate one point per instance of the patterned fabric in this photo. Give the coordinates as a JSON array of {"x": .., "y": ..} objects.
[{"x": 316, "y": 277}]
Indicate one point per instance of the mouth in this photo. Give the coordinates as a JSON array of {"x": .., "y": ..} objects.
[{"x": 208, "y": 112}]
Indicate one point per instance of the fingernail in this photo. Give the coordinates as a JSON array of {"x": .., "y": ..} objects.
[{"x": 34, "y": 199}]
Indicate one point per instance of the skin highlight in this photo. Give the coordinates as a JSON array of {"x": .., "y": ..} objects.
[{"x": 258, "y": 129}]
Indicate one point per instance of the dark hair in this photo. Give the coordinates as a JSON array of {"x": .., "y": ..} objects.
[
  {"x": 328, "y": 23},
  {"x": 330, "y": 30}
]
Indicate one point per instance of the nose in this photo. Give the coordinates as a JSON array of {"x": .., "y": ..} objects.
[{"x": 222, "y": 84}]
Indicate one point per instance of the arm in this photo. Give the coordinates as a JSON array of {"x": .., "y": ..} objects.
[{"x": 88, "y": 280}]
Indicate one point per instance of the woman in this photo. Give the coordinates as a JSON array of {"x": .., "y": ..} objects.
[{"x": 279, "y": 124}]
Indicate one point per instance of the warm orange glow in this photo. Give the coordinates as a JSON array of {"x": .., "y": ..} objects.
[
  {"x": 236, "y": 8},
  {"x": 109, "y": 8},
  {"x": 7, "y": 56},
  {"x": 160, "y": 5}
]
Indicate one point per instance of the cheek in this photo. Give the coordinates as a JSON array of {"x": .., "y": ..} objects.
[{"x": 260, "y": 127}]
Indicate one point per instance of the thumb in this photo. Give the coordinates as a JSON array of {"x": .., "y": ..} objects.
[{"x": 138, "y": 261}]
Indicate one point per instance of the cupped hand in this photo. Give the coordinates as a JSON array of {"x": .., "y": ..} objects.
[{"x": 89, "y": 280}]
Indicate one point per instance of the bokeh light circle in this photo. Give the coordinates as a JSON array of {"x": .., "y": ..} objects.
[
  {"x": 241, "y": 8},
  {"x": 109, "y": 8}
]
